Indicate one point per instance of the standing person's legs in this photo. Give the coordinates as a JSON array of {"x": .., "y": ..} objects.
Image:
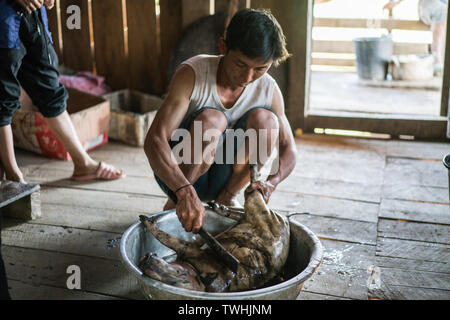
[
  {"x": 7, "y": 156},
  {"x": 10, "y": 63},
  {"x": 39, "y": 77}
]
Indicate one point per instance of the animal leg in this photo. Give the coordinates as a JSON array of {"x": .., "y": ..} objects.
[
  {"x": 181, "y": 247},
  {"x": 176, "y": 274}
]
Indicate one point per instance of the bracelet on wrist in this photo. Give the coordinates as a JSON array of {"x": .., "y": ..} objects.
[{"x": 180, "y": 188}]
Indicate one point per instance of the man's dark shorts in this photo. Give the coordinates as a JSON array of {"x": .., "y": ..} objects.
[
  {"x": 34, "y": 66},
  {"x": 210, "y": 184}
]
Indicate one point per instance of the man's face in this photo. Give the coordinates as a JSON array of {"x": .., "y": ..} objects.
[{"x": 241, "y": 70}]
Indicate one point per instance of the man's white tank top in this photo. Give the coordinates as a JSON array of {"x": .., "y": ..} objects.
[{"x": 256, "y": 94}]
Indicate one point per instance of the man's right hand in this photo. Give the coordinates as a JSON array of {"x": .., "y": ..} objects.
[
  {"x": 31, "y": 5},
  {"x": 190, "y": 210}
]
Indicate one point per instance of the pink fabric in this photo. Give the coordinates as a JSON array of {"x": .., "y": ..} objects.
[{"x": 86, "y": 82}]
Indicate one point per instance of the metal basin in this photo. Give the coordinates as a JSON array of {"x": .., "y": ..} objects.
[{"x": 304, "y": 258}]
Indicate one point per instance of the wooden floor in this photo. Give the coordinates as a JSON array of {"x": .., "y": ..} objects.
[{"x": 373, "y": 203}]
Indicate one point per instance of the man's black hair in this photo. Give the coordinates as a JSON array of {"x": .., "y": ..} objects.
[{"x": 257, "y": 34}]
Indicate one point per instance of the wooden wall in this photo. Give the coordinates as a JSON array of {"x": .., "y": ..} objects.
[
  {"x": 130, "y": 42},
  {"x": 126, "y": 41}
]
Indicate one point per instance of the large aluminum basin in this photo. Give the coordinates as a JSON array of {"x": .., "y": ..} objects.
[{"x": 305, "y": 256}]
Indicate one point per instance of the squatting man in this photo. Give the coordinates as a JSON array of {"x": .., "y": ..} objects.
[{"x": 229, "y": 91}]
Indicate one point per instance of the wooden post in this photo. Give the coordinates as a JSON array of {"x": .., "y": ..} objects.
[
  {"x": 20, "y": 201},
  {"x": 295, "y": 17}
]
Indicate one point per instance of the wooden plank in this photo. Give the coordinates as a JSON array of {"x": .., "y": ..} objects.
[
  {"x": 223, "y": 5},
  {"x": 415, "y": 279},
  {"x": 333, "y": 62},
  {"x": 418, "y": 172},
  {"x": 23, "y": 291},
  {"x": 263, "y": 4},
  {"x": 343, "y": 255},
  {"x": 77, "y": 42},
  {"x": 344, "y": 167},
  {"x": 390, "y": 292},
  {"x": 395, "y": 125},
  {"x": 143, "y": 48},
  {"x": 325, "y": 206},
  {"x": 348, "y": 47},
  {"x": 412, "y": 264},
  {"x": 416, "y": 193},
  {"x": 352, "y": 148},
  {"x": 61, "y": 239},
  {"x": 417, "y": 149},
  {"x": 26, "y": 208},
  {"x": 415, "y": 211},
  {"x": 306, "y": 295},
  {"x": 170, "y": 31},
  {"x": 413, "y": 250},
  {"x": 130, "y": 184},
  {"x": 343, "y": 273},
  {"x": 98, "y": 199},
  {"x": 193, "y": 10},
  {"x": 370, "y": 23},
  {"x": 349, "y": 284},
  {"x": 54, "y": 26},
  {"x": 331, "y": 188},
  {"x": 340, "y": 229},
  {"x": 20, "y": 201},
  {"x": 98, "y": 276},
  {"x": 417, "y": 231},
  {"x": 108, "y": 19},
  {"x": 99, "y": 219}
]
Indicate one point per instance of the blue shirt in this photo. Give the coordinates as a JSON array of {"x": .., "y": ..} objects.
[{"x": 10, "y": 25}]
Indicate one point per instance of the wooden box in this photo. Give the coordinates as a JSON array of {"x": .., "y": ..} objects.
[
  {"x": 132, "y": 113},
  {"x": 90, "y": 116}
]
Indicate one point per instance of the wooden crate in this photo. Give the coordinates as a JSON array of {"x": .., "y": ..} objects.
[{"x": 132, "y": 113}]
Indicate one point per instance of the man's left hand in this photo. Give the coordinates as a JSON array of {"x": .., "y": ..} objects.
[
  {"x": 265, "y": 187},
  {"x": 49, "y": 4}
]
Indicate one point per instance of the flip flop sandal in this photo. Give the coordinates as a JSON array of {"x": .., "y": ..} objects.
[{"x": 103, "y": 172}]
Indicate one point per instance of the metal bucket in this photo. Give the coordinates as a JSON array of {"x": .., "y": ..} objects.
[
  {"x": 305, "y": 256},
  {"x": 446, "y": 162},
  {"x": 373, "y": 56}
]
